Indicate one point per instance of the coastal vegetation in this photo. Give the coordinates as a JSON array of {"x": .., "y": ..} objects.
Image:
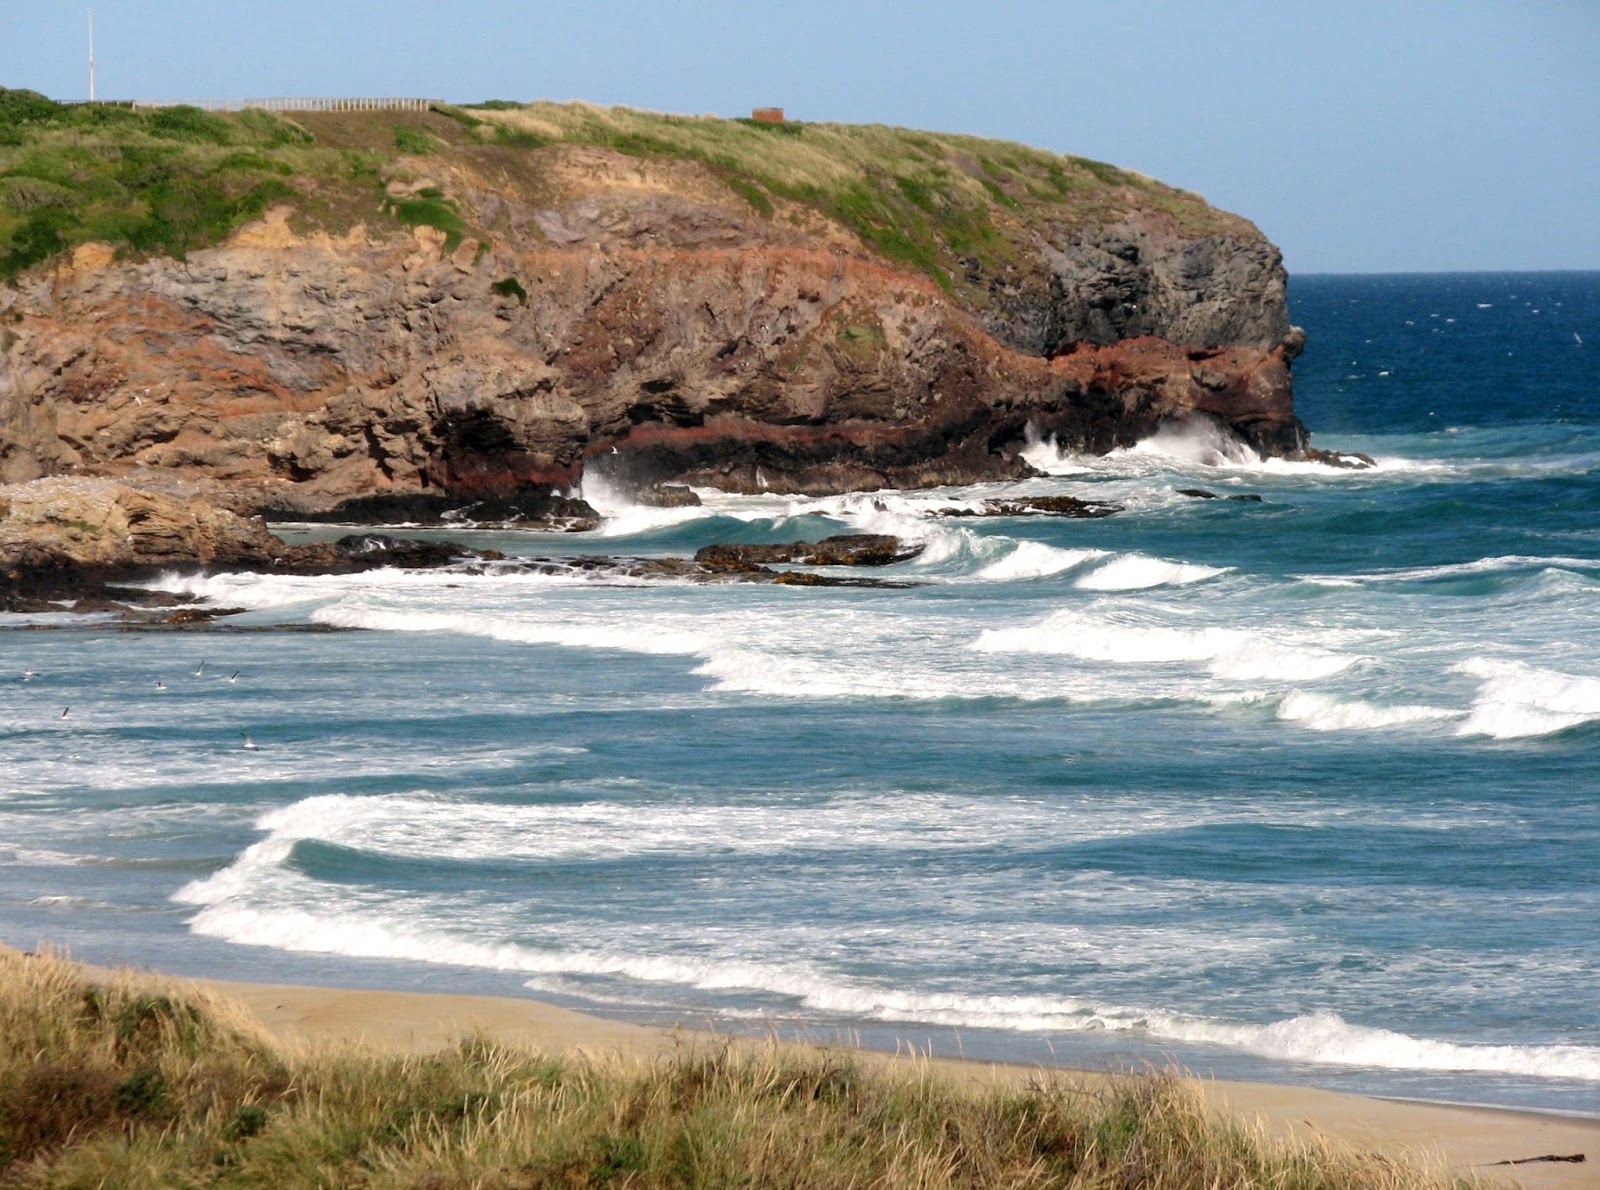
[
  {"x": 935, "y": 201},
  {"x": 126, "y": 1081},
  {"x": 172, "y": 180}
]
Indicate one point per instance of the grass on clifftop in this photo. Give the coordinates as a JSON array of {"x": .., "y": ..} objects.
[
  {"x": 176, "y": 179},
  {"x": 130, "y": 1084},
  {"x": 172, "y": 180},
  {"x": 921, "y": 198},
  {"x": 165, "y": 181}
]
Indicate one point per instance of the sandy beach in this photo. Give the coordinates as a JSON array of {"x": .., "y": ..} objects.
[{"x": 1468, "y": 1139}]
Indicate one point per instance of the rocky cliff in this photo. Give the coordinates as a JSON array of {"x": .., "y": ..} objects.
[{"x": 533, "y": 293}]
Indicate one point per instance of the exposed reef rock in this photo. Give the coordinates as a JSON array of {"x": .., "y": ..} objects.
[
  {"x": 1062, "y": 506},
  {"x": 71, "y": 539},
  {"x": 65, "y": 532},
  {"x": 849, "y": 549},
  {"x": 76, "y": 543},
  {"x": 637, "y": 318},
  {"x": 1202, "y": 494},
  {"x": 737, "y": 564}
]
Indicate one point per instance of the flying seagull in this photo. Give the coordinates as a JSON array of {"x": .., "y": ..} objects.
[
  {"x": 234, "y": 676},
  {"x": 160, "y": 685},
  {"x": 249, "y": 744},
  {"x": 65, "y": 711},
  {"x": 29, "y": 674},
  {"x": 200, "y": 669}
]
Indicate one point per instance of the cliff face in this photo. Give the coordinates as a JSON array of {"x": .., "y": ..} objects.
[
  {"x": 1138, "y": 276},
  {"x": 637, "y": 315}
]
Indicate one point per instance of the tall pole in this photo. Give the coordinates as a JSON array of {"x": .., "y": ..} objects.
[{"x": 91, "y": 55}]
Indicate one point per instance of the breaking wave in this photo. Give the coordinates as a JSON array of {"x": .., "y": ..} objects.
[{"x": 1516, "y": 700}]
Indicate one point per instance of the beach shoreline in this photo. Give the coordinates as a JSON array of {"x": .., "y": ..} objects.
[{"x": 1497, "y": 1143}]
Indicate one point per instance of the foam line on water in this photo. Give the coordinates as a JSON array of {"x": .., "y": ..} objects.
[
  {"x": 1496, "y": 565},
  {"x": 1323, "y": 1038},
  {"x": 600, "y": 634},
  {"x": 38, "y": 857},
  {"x": 1320, "y": 1038},
  {"x": 270, "y": 592},
  {"x": 420, "y": 826}
]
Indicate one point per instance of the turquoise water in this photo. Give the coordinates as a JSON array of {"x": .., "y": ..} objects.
[{"x": 1304, "y": 789}]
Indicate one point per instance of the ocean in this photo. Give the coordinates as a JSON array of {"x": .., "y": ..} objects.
[{"x": 1303, "y": 789}]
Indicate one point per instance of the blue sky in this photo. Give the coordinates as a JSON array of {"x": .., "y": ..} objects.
[{"x": 1361, "y": 136}]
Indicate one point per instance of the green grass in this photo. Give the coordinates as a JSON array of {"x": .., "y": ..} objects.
[
  {"x": 161, "y": 182},
  {"x": 126, "y": 1083},
  {"x": 176, "y": 179},
  {"x": 413, "y": 140},
  {"x": 510, "y": 287},
  {"x": 430, "y": 209}
]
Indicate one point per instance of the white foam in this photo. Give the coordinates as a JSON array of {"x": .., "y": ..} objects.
[
  {"x": 1265, "y": 659},
  {"x": 36, "y": 857},
  {"x": 602, "y": 633},
  {"x": 790, "y": 675},
  {"x": 623, "y": 517},
  {"x": 1043, "y": 454},
  {"x": 1229, "y": 653},
  {"x": 1516, "y": 700},
  {"x": 418, "y": 826},
  {"x": 1137, "y": 572},
  {"x": 1328, "y": 1039},
  {"x": 1324, "y": 712},
  {"x": 1082, "y": 636},
  {"x": 1199, "y": 441}
]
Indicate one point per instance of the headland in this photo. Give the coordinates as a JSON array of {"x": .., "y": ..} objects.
[{"x": 387, "y": 316}]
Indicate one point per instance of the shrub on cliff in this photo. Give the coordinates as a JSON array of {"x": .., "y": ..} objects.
[{"x": 24, "y": 107}]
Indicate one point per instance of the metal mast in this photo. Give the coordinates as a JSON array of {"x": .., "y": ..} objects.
[{"x": 91, "y": 55}]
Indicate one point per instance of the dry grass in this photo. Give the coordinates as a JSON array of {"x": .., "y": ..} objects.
[{"x": 124, "y": 1083}]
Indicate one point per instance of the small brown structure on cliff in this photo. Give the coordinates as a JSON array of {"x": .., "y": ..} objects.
[{"x": 767, "y": 115}]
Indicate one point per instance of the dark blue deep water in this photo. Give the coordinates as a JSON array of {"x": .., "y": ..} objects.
[{"x": 1299, "y": 789}]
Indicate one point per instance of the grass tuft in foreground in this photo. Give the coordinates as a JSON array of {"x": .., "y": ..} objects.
[{"x": 130, "y": 1083}]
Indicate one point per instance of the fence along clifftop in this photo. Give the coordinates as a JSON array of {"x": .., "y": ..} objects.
[{"x": 294, "y": 104}]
